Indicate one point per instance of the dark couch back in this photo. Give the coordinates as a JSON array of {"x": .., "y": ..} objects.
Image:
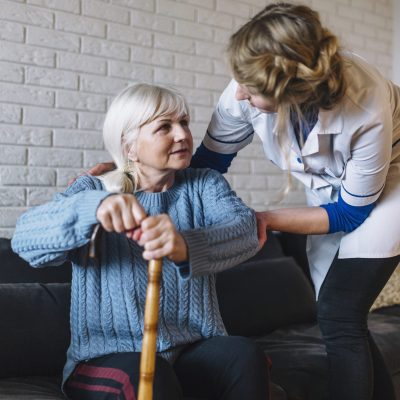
[
  {"x": 13, "y": 269},
  {"x": 267, "y": 292},
  {"x": 34, "y": 323}
]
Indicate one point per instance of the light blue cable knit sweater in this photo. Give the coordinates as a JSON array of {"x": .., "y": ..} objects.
[{"x": 108, "y": 295}]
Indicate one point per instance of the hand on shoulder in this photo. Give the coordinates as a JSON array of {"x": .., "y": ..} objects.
[{"x": 97, "y": 170}]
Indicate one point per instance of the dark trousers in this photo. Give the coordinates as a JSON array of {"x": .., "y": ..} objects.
[
  {"x": 357, "y": 369},
  {"x": 228, "y": 368}
]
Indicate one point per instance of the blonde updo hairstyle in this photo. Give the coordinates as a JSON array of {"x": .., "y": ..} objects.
[
  {"x": 285, "y": 54},
  {"x": 135, "y": 106}
]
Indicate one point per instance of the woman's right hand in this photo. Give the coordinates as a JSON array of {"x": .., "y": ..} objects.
[
  {"x": 102, "y": 168},
  {"x": 262, "y": 227},
  {"x": 98, "y": 169},
  {"x": 120, "y": 213}
]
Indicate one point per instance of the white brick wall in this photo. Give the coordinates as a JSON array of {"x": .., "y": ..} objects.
[{"x": 62, "y": 61}]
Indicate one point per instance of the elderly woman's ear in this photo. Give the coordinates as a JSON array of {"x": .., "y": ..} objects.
[{"x": 132, "y": 154}]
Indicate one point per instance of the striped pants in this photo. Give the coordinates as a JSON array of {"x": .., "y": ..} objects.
[{"x": 228, "y": 368}]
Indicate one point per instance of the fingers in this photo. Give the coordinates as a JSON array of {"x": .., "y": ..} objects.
[
  {"x": 161, "y": 239},
  {"x": 134, "y": 234},
  {"x": 117, "y": 221},
  {"x": 261, "y": 233},
  {"x": 261, "y": 229},
  {"x": 156, "y": 249},
  {"x": 157, "y": 234},
  {"x": 155, "y": 229},
  {"x": 106, "y": 222},
  {"x": 101, "y": 168},
  {"x": 97, "y": 170},
  {"x": 128, "y": 220},
  {"x": 120, "y": 213},
  {"x": 72, "y": 180},
  {"x": 137, "y": 211},
  {"x": 262, "y": 240}
]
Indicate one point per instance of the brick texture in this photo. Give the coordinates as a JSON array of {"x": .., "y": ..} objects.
[{"x": 61, "y": 63}]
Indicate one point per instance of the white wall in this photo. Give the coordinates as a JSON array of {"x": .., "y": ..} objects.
[{"x": 61, "y": 61}]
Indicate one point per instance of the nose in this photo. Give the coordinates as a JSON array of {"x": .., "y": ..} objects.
[
  {"x": 181, "y": 133},
  {"x": 241, "y": 93}
]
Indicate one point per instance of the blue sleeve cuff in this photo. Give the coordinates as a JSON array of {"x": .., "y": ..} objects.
[
  {"x": 183, "y": 269},
  {"x": 345, "y": 218},
  {"x": 205, "y": 158}
]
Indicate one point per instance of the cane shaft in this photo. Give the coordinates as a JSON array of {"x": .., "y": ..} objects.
[{"x": 149, "y": 345}]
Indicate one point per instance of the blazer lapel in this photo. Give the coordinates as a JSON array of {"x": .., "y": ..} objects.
[{"x": 330, "y": 122}]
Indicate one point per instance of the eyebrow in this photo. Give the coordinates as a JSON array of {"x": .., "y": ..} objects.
[{"x": 160, "y": 121}]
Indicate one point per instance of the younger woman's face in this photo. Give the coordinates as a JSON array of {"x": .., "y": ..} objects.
[
  {"x": 262, "y": 103},
  {"x": 165, "y": 144}
]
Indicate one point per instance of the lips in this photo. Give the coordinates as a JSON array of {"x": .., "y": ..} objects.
[{"x": 179, "y": 151}]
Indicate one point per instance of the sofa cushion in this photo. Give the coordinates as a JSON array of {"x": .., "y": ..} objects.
[
  {"x": 34, "y": 328},
  {"x": 14, "y": 269},
  {"x": 31, "y": 388},
  {"x": 49, "y": 388},
  {"x": 258, "y": 297},
  {"x": 299, "y": 362}
]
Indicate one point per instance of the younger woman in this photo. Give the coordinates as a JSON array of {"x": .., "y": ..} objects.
[{"x": 333, "y": 122}]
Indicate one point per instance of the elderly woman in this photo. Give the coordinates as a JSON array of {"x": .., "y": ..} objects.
[{"x": 151, "y": 206}]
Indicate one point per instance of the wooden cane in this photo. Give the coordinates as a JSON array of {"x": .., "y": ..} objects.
[{"x": 149, "y": 345}]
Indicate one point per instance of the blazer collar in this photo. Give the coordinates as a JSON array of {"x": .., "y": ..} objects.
[{"x": 330, "y": 122}]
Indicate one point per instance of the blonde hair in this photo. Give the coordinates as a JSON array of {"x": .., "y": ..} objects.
[
  {"x": 135, "y": 106},
  {"x": 284, "y": 53}
]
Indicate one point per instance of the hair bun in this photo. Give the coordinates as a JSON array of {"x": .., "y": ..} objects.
[{"x": 285, "y": 53}]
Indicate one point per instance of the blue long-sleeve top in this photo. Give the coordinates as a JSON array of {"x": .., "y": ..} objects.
[
  {"x": 108, "y": 295},
  {"x": 342, "y": 216}
]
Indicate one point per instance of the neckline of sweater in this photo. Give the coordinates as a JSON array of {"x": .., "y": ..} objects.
[{"x": 157, "y": 199}]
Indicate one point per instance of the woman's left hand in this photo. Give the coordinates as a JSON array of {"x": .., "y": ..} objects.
[
  {"x": 262, "y": 227},
  {"x": 160, "y": 238}
]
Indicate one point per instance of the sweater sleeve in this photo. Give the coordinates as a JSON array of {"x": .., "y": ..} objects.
[
  {"x": 229, "y": 236},
  {"x": 45, "y": 234}
]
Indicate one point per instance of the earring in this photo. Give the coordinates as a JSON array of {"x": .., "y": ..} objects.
[{"x": 127, "y": 167}]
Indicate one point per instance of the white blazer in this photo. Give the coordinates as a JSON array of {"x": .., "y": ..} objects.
[{"x": 354, "y": 148}]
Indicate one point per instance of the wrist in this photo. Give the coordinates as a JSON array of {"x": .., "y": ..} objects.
[
  {"x": 265, "y": 218},
  {"x": 181, "y": 254}
]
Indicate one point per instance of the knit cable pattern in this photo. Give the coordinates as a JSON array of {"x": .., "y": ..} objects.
[{"x": 108, "y": 294}]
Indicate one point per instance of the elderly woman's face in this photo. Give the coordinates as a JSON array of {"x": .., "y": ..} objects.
[{"x": 165, "y": 144}]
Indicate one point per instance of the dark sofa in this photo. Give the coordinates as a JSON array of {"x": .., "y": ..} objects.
[{"x": 269, "y": 298}]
